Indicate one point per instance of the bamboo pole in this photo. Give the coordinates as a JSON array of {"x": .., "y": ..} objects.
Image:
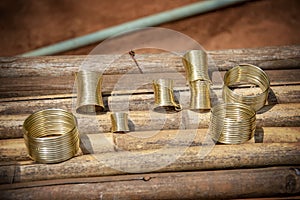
[
  {"x": 270, "y": 116},
  {"x": 165, "y": 160},
  {"x": 237, "y": 183},
  {"x": 136, "y": 101},
  {"x": 277, "y": 57},
  {"x": 15, "y": 150}
]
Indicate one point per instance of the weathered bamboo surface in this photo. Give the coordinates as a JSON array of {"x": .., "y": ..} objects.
[
  {"x": 185, "y": 159},
  {"x": 15, "y": 150},
  {"x": 238, "y": 183},
  {"x": 105, "y": 159},
  {"x": 273, "y": 115}
]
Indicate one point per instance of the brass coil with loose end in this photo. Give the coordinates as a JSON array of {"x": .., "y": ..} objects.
[
  {"x": 164, "y": 96},
  {"x": 246, "y": 74},
  {"x": 200, "y": 95},
  {"x": 89, "y": 97},
  {"x": 232, "y": 123},
  {"x": 119, "y": 122},
  {"x": 196, "y": 67},
  {"x": 51, "y": 135}
]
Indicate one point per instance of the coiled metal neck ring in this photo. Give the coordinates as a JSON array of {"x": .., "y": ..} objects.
[
  {"x": 245, "y": 74},
  {"x": 196, "y": 67},
  {"x": 164, "y": 96},
  {"x": 232, "y": 123},
  {"x": 89, "y": 97},
  {"x": 200, "y": 95},
  {"x": 119, "y": 122},
  {"x": 51, "y": 135}
]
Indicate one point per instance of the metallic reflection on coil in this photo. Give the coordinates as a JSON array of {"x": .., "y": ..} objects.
[
  {"x": 51, "y": 135},
  {"x": 119, "y": 122},
  {"x": 232, "y": 123},
  {"x": 164, "y": 96},
  {"x": 196, "y": 67},
  {"x": 245, "y": 74},
  {"x": 89, "y": 97},
  {"x": 200, "y": 95}
]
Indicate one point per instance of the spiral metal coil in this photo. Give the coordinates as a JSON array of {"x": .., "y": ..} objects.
[
  {"x": 89, "y": 97},
  {"x": 164, "y": 96},
  {"x": 196, "y": 67},
  {"x": 242, "y": 74},
  {"x": 200, "y": 95},
  {"x": 51, "y": 135},
  {"x": 119, "y": 122},
  {"x": 232, "y": 123}
]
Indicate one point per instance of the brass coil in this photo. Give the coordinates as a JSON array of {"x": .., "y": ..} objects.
[
  {"x": 232, "y": 123},
  {"x": 51, "y": 135},
  {"x": 242, "y": 74},
  {"x": 164, "y": 96},
  {"x": 200, "y": 95},
  {"x": 89, "y": 97},
  {"x": 119, "y": 122},
  {"x": 196, "y": 67}
]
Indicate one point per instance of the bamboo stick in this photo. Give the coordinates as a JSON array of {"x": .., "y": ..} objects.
[
  {"x": 165, "y": 160},
  {"x": 286, "y": 115},
  {"x": 15, "y": 150},
  {"x": 40, "y": 85},
  {"x": 246, "y": 183},
  {"x": 61, "y": 66},
  {"x": 136, "y": 101}
]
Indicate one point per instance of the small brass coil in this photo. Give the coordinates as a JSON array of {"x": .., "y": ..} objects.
[
  {"x": 89, "y": 97},
  {"x": 232, "y": 123},
  {"x": 196, "y": 67},
  {"x": 51, "y": 136},
  {"x": 164, "y": 96},
  {"x": 119, "y": 122},
  {"x": 242, "y": 74},
  {"x": 200, "y": 95}
]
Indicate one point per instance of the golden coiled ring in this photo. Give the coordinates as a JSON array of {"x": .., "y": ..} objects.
[
  {"x": 232, "y": 123},
  {"x": 51, "y": 135},
  {"x": 245, "y": 74}
]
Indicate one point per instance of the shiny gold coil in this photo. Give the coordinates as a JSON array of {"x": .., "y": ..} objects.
[
  {"x": 232, "y": 123},
  {"x": 196, "y": 67},
  {"x": 119, "y": 122},
  {"x": 246, "y": 74},
  {"x": 200, "y": 95},
  {"x": 51, "y": 135},
  {"x": 89, "y": 97},
  {"x": 164, "y": 96}
]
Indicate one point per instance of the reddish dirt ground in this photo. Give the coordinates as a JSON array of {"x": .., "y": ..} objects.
[{"x": 27, "y": 25}]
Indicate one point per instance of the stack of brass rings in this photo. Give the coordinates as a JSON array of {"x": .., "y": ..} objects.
[
  {"x": 164, "y": 96},
  {"x": 196, "y": 67},
  {"x": 119, "y": 122},
  {"x": 51, "y": 135},
  {"x": 89, "y": 97},
  {"x": 232, "y": 123},
  {"x": 245, "y": 74}
]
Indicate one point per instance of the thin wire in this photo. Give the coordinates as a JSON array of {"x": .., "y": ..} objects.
[{"x": 200, "y": 95}]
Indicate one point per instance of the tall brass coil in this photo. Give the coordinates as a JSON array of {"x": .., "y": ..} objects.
[
  {"x": 196, "y": 67},
  {"x": 242, "y": 74},
  {"x": 119, "y": 122},
  {"x": 89, "y": 97},
  {"x": 232, "y": 123},
  {"x": 200, "y": 95},
  {"x": 51, "y": 135},
  {"x": 164, "y": 96}
]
